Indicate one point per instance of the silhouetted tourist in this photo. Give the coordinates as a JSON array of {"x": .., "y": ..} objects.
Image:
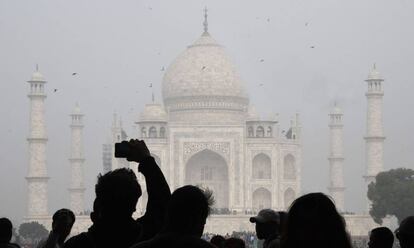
[
  {"x": 62, "y": 222},
  {"x": 117, "y": 194},
  {"x": 218, "y": 241},
  {"x": 186, "y": 216},
  {"x": 405, "y": 233},
  {"x": 282, "y": 222},
  {"x": 234, "y": 243},
  {"x": 6, "y": 233},
  {"x": 267, "y": 227},
  {"x": 313, "y": 221},
  {"x": 381, "y": 237}
]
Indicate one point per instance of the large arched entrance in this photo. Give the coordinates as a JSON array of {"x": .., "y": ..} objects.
[{"x": 209, "y": 170}]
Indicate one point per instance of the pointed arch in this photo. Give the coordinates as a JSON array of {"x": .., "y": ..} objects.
[
  {"x": 209, "y": 170},
  {"x": 260, "y": 132},
  {"x": 289, "y": 167},
  {"x": 289, "y": 197},
  {"x": 261, "y": 167},
  {"x": 152, "y": 132},
  {"x": 162, "y": 132},
  {"x": 261, "y": 199},
  {"x": 250, "y": 132}
]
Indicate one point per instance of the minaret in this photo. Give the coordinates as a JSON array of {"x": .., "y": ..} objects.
[
  {"x": 37, "y": 178},
  {"x": 118, "y": 135},
  {"x": 336, "y": 185},
  {"x": 76, "y": 189},
  {"x": 375, "y": 137}
]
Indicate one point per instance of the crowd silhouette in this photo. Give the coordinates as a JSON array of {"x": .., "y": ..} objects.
[{"x": 178, "y": 219}]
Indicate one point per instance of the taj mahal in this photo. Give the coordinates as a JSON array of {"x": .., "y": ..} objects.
[{"x": 206, "y": 132}]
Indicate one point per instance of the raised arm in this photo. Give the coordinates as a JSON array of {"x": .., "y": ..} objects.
[{"x": 157, "y": 188}]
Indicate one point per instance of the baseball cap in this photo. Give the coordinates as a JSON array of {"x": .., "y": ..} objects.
[{"x": 265, "y": 216}]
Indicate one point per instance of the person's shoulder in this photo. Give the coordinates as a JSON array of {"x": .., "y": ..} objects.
[
  {"x": 80, "y": 240},
  {"x": 144, "y": 244},
  {"x": 275, "y": 243}
]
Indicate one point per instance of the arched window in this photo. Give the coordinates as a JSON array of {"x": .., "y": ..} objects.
[
  {"x": 152, "y": 132},
  {"x": 260, "y": 132},
  {"x": 289, "y": 197},
  {"x": 261, "y": 168},
  {"x": 162, "y": 132},
  {"x": 262, "y": 198},
  {"x": 289, "y": 167},
  {"x": 143, "y": 132},
  {"x": 269, "y": 132},
  {"x": 250, "y": 132}
]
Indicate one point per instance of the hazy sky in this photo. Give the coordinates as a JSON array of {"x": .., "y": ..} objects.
[{"x": 118, "y": 47}]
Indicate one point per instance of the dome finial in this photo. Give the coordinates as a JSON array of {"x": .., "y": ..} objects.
[
  {"x": 205, "y": 23},
  {"x": 37, "y": 67}
]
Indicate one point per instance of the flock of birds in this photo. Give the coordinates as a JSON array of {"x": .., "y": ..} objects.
[{"x": 204, "y": 67}]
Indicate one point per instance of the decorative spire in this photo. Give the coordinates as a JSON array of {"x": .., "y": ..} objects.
[
  {"x": 152, "y": 93},
  {"x": 205, "y": 23},
  {"x": 37, "y": 67}
]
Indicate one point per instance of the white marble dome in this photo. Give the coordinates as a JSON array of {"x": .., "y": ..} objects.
[
  {"x": 153, "y": 112},
  {"x": 202, "y": 70}
]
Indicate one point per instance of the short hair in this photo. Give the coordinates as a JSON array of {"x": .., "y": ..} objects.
[
  {"x": 188, "y": 203},
  {"x": 117, "y": 192},
  {"x": 234, "y": 243},
  {"x": 383, "y": 235},
  {"x": 5, "y": 230},
  {"x": 218, "y": 241},
  {"x": 63, "y": 214}
]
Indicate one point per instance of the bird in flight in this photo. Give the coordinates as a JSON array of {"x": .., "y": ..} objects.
[
  {"x": 74, "y": 73},
  {"x": 260, "y": 84},
  {"x": 312, "y": 47},
  {"x": 203, "y": 68},
  {"x": 54, "y": 90},
  {"x": 163, "y": 69},
  {"x": 262, "y": 60}
]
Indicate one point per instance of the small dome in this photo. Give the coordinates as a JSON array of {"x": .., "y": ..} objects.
[
  {"x": 336, "y": 110},
  {"x": 37, "y": 77},
  {"x": 76, "y": 110},
  {"x": 374, "y": 74},
  {"x": 153, "y": 112}
]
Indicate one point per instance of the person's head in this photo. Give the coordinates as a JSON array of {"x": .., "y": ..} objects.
[
  {"x": 267, "y": 223},
  {"x": 5, "y": 230},
  {"x": 234, "y": 243},
  {"x": 62, "y": 222},
  {"x": 95, "y": 215},
  {"x": 405, "y": 232},
  {"x": 117, "y": 192},
  {"x": 381, "y": 237},
  {"x": 188, "y": 210},
  {"x": 218, "y": 241},
  {"x": 314, "y": 221}
]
